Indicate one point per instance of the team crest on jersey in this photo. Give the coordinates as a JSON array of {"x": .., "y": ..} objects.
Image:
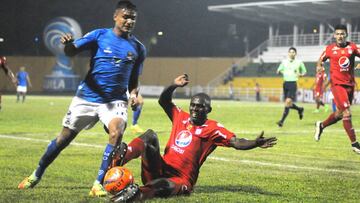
[
  {"x": 198, "y": 131},
  {"x": 344, "y": 62},
  {"x": 183, "y": 138},
  {"x": 130, "y": 56}
]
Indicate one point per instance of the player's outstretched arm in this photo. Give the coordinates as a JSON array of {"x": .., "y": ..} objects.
[
  {"x": 7, "y": 70},
  {"x": 69, "y": 49},
  {"x": 260, "y": 141},
  {"x": 165, "y": 99}
]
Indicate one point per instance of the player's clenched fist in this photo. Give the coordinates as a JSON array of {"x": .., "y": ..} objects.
[
  {"x": 182, "y": 80},
  {"x": 67, "y": 38}
]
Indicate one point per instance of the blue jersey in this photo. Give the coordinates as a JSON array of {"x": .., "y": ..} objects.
[
  {"x": 22, "y": 78},
  {"x": 113, "y": 60}
]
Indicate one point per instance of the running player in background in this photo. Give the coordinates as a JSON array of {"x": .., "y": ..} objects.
[
  {"x": 319, "y": 89},
  {"x": 342, "y": 61},
  {"x": 136, "y": 115},
  {"x": 8, "y": 72},
  {"x": 116, "y": 62},
  {"x": 193, "y": 138},
  {"x": 291, "y": 69},
  {"x": 23, "y": 81}
]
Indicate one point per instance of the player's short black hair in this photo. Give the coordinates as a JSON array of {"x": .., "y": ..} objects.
[
  {"x": 293, "y": 48},
  {"x": 341, "y": 27},
  {"x": 126, "y": 4},
  {"x": 203, "y": 97}
]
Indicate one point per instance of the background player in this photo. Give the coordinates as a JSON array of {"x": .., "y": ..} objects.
[
  {"x": 23, "y": 81},
  {"x": 319, "y": 88},
  {"x": 8, "y": 72},
  {"x": 291, "y": 69},
  {"x": 342, "y": 61},
  {"x": 136, "y": 115},
  {"x": 116, "y": 62},
  {"x": 193, "y": 137}
]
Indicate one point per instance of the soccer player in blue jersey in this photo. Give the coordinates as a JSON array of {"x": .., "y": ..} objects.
[
  {"x": 23, "y": 81},
  {"x": 116, "y": 62},
  {"x": 136, "y": 115}
]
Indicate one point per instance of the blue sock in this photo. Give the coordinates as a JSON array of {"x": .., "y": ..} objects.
[
  {"x": 49, "y": 156},
  {"x": 333, "y": 105},
  {"x": 105, "y": 163},
  {"x": 136, "y": 115}
]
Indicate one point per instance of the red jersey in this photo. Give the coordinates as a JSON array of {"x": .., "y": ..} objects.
[
  {"x": 319, "y": 81},
  {"x": 189, "y": 145},
  {"x": 342, "y": 60}
]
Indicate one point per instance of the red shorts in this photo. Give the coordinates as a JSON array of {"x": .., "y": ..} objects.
[
  {"x": 343, "y": 96},
  {"x": 157, "y": 168},
  {"x": 318, "y": 93}
]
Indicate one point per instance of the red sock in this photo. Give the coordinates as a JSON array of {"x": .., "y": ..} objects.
[
  {"x": 135, "y": 149},
  {"x": 349, "y": 128},
  {"x": 330, "y": 120}
]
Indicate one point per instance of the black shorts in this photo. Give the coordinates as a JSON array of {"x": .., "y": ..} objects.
[{"x": 290, "y": 89}]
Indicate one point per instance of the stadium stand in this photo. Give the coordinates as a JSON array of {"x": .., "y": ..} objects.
[{"x": 264, "y": 59}]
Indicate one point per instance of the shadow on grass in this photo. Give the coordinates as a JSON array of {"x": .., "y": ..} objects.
[{"x": 233, "y": 188}]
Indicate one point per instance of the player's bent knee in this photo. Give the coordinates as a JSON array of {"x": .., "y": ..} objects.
[{"x": 149, "y": 137}]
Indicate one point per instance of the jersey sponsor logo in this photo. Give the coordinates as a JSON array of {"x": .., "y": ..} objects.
[
  {"x": 344, "y": 63},
  {"x": 183, "y": 138},
  {"x": 177, "y": 149}
]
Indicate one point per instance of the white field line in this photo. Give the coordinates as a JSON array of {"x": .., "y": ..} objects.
[
  {"x": 238, "y": 133},
  {"x": 259, "y": 163},
  {"x": 250, "y": 162}
]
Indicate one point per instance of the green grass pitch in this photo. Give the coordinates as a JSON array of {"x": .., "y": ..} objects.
[{"x": 297, "y": 169}]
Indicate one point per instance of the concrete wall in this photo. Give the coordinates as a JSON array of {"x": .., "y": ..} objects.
[{"x": 157, "y": 71}]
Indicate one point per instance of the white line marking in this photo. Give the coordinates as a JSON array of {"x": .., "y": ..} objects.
[
  {"x": 250, "y": 162},
  {"x": 48, "y": 141}
]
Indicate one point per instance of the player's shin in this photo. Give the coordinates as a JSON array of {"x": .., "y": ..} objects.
[
  {"x": 285, "y": 114},
  {"x": 106, "y": 161},
  {"x": 332, "y": 119},
  {"x": 49, "y": 156},
  {"x": 349, "y": 128},
  {"x": 135, "y": 148}
]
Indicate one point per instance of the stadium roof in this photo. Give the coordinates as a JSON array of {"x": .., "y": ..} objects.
[{"x": 291, "y": 11}]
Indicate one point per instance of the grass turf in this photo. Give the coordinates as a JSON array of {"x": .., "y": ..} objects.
[{"x": 297, "y": 169}]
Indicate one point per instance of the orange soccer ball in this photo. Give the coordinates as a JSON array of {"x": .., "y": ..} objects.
[{"x": 117, "y": 178}]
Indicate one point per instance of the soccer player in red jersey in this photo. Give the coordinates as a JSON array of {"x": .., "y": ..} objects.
[
  {"x": 193, "y": 138},
  {"x": 342, "y": 61},
  {"x": 320, "y": 82},
  {"x": 8, "y": 72}
]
